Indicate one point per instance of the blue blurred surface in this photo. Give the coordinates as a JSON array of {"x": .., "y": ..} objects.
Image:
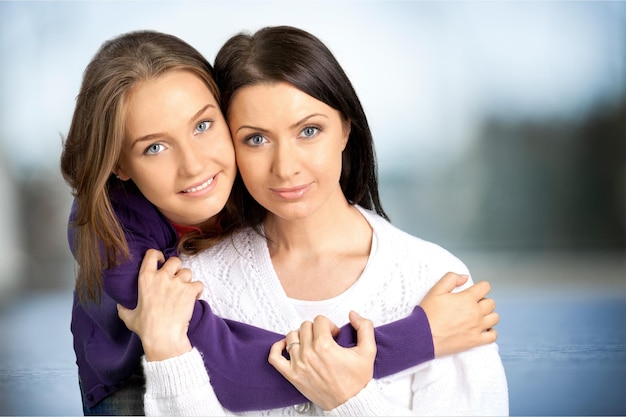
[{"x": 564, "y": 354}]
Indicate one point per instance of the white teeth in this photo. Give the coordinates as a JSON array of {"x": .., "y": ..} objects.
[{"x": 199, "y": 187}]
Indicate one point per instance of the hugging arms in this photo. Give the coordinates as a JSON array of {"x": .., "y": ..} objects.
[{"x": 171, "y": 194}]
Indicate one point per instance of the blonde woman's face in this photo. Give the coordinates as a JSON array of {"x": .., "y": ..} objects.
[{"x": 178, "y": 149}]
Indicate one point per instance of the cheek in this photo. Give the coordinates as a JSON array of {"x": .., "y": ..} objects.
[
  {"x": 327, "y": 161},
  {"x": 152, "y": 188},
  {"x": 231, "y": 151},
  {"x": 245, "y": 169},
  {"x": 224, "y": 155},
  {"x": 226, "y": 141},
  {"x": 154, "y": 176},
  {"x": 243, "y": 158},
  {"x": 252, "y": 172}
]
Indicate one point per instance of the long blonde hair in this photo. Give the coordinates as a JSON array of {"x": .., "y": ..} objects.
[{"x": 92, "y": 148}]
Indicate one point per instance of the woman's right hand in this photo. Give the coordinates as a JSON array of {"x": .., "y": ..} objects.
[
  {"x": 463, "y": 320},
  {"x": 164, "y": 307},
  {"x": 324, "y": 372}
]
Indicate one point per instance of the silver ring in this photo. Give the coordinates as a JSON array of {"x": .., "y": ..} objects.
[{"x": 290, "y": 345}]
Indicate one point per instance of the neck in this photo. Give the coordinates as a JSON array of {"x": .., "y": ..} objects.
[
  {"x": 320, "y": 256},
  {"x": 316, "y": 233}
]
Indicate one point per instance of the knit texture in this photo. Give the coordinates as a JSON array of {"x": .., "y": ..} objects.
[
  {"x": 181, "y": 386},
  {"x": 241, "y": 284},
  {"x": 234, "y": 353}
]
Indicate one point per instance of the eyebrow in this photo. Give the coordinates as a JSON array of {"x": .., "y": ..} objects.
[
  {"x": 153, "y": 136},
  {"x": 296, "y": 124}
]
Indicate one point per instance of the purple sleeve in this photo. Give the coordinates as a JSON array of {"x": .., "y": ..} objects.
[
  {"x": 235, "y": 356},
  {"x": 400, "y": 344}
]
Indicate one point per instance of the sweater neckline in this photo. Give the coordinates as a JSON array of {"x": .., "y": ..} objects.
[{"x": 371, "y": 272}]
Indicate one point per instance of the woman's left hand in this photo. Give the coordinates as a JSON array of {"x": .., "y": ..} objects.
[
  {"x": 166, "y": 298},
  {"x": 324, "y": 372}
]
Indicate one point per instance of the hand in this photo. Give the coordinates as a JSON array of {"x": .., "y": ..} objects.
[
  {"x": 165, "y": 304},
  {"x": 463, "y": 320},
  {"x": 324, "y": 372}
]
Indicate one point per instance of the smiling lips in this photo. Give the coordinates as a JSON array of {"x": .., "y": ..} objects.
[
  {"x": 199, "y": 187},
  {"x": 292, "y": 193}
]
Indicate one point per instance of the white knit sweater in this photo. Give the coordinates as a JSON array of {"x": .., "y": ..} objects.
[{"x": 242, "y": 285}]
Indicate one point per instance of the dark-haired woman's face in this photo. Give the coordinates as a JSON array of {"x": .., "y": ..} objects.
[{"x": 289, "y": 148}]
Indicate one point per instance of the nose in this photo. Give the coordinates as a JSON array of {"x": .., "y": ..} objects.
[
  {"x": 191, "y": 158},
  {"x": 285, "y": 160}
]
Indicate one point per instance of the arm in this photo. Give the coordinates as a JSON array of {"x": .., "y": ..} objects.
[
  {"x": 330, "y": 376},
  {"x": 107, "y": 353},
  {"x": 443, "y": 323},
  {"x": 323, "y": 371},
  {"x": 164, "y": 320},
  {"x": 466, "y": 383},
  {"x": 159, "y": 294},
  {"x": 244, "y": 380},
  {"x": 469, "y": 383},
  {"x": 113, "y": 352},
  {"x": 180, "y": 386}
]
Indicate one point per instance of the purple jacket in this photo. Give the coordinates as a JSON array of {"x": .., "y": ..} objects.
[{"x": 235, "y": 354}]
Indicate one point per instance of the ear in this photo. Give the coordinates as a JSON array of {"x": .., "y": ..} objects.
[
  {"x": 121, "y": 174},
  {"x": 347, "y": 128}
]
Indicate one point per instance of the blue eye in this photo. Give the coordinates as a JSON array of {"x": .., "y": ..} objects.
[
  {"x": 203, "y": 126},
  {"x": 255, "y": 140},
  {"x": 309, "y": 131},
  {"x": 154, "y": 149}
]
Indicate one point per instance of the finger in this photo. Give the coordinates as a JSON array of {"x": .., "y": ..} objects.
[
  {"x": 276, "y": 358},
  {"x": 306, "y": 333},
  {"x": 123, "y": 313},
  {"x": 460, "y": 279},
  {"x": 292, "y": 340},
  {"x": 323, "y": 331},
  {"x": 184, "y": 274},
  {"x": 172, "y": 265},
  {"x": 491, "y": 320},
  {"x": 448, "y": 282},
  {"x": 486, "y": 306},
  {"x": 489, "y": 336},
  {"x": 198, "y": 288},
  {"x": 187, "y": 290},
  {"x": 324, "y": 325},
  {"x": 293, "y": 337},
  {"x": 364, "y": 332},
  {"x": 479, "y": 290},
  {"x": 151, "y": 260}
]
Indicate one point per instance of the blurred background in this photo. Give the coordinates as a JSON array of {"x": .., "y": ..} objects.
[{"x": 501, "y": 135}]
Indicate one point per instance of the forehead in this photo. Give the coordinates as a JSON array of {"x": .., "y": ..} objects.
[
  {"x": 169, "y": 86},
  {"x": 276, "y": 100},
  {"x": 166, "y": 98}
]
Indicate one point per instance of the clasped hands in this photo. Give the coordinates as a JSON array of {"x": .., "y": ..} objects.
[{"x": 323, "y": 371}]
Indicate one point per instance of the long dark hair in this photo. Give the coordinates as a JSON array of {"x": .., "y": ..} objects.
[{"x": 291, "y": 55}]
